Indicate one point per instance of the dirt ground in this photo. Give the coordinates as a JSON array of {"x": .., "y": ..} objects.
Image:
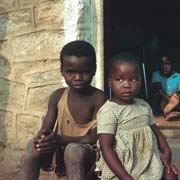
[{"x": 18, "y": 176}]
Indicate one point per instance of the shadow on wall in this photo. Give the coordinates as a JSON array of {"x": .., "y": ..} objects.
[{"x": 4, "y": 83}]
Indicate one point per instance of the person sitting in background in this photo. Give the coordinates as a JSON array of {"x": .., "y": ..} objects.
[{"x": 166, "y": 89}]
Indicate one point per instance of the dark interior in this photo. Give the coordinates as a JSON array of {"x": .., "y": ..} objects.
[{"x": 145, "y": 28}]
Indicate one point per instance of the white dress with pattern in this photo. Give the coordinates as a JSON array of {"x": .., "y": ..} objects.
[{"x": 135, "y": 143}]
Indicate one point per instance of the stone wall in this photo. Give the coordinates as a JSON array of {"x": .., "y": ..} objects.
[{"x": 32, "y": 32}]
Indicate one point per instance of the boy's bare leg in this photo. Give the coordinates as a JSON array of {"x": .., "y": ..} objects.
[
  {"x": 31, "y": 167},
  {"x": 173, "y": 102},
  {"x": 33, "y": 161},
  {"x": 78, "y": 160}
]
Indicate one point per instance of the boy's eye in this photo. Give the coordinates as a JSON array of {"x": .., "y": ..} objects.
[
  {"x": 81, "y": 73},
  {"x": 85, "y": 73},
  {"x": 69, "y": 72}
]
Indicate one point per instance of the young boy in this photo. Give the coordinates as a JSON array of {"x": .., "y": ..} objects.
[
  {"x": 69, "y": 127},
  {"x": 166, "y": 88}
]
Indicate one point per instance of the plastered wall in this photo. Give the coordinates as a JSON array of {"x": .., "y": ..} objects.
[{"x": 32, "y": 32}]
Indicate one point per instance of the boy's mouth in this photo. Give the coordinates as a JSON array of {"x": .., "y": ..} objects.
[{"x": 78, "y": 85}]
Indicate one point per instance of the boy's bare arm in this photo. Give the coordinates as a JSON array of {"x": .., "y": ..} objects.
[
  {"x": 99, "y": 100},
  {"x": 110, "y": 156},
  {"x": 46, "y": 140},
  {"x": 51, "y": 115},
  {"x": 162, "y": 144}
]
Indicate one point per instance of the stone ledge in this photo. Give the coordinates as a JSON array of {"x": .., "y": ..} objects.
[
  {"x": 162, "y": 124},
  {"x": 170, "y": 129}
]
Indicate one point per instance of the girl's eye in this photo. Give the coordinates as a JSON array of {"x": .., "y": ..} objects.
[
  {"x": 135, "y": 79},
  {"x": 119, "y": 79}
]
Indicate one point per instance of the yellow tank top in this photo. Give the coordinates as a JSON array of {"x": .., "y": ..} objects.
[{"x": 65, "y": 123}]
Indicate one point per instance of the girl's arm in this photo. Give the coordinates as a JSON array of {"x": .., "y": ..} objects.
[
  {"x": 162, "y": 145},
  {"x": 106, "y": 144},
  {"x": 165, "y": 149}
]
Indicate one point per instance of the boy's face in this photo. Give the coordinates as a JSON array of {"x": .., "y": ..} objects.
[
  {"x": 125, "y": 82},
  {"x": 77, "y": 72},
  {"x": 166, "y": 66}
]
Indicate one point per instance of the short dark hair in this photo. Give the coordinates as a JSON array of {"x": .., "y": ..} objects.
[
  {"x": 79, "y": 48},
  {"x": 167, "y": 53},
  {"x": 123, "y": 57}
]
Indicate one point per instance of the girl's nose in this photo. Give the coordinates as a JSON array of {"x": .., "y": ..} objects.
[{"x": 127, "y": 83}]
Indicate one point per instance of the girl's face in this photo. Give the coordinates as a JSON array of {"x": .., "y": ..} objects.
[
  {"x": 125, "y": 82},
  {"x": 77, "y": 72}
]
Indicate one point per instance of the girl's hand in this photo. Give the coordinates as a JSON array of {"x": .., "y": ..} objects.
[
  {"x": 170, "y": 168},
  {"x": 166, "y": 157}
]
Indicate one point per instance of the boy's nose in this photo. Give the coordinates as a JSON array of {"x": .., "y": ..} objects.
[{"x": 78, "y": 76}]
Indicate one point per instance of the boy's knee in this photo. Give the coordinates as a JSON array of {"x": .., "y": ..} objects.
[
  {"x": 30, "y": 151},
  {"x": 74, "y": 152}
]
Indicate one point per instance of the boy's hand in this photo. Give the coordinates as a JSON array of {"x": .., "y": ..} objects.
[{"x": 45, "y": 141}]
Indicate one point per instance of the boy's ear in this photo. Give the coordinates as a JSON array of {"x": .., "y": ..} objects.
[
  {"x": 61, "y": 69},
  {"x": 94, "y": 69}
]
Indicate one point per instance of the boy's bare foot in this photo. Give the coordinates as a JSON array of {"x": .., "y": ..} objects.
[
  {"x": 60, "y": 171},
  {"x": 173, "y": 102},
  {"x": 171, "y": 115}
]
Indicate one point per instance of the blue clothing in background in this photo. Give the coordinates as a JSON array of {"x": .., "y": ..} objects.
[{"x": 170, "y": 84}]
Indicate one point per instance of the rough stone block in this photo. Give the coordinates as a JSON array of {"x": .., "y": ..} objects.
[
  {"x": 50, "y": 13},
  {"x": 6, "y": 5},
  {"x": 27, "y": 126},
  {"x": 15, "y": 22},
  {"x": 43, "y": 78},
  {"x": 25, "y": 2},
  {"x": 36, "y": 102},
  {"x": 37, "y": 46},
  {"x": 11, "y": 95},
  {"x": 7, "y": 130},
  {"x": 4, "y": 48},
  {"x": 5, "y": 66},
  {"x": 22, "y": 70}
]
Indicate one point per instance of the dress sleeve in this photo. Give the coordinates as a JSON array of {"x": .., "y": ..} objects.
[{"x": 106, "y": 122}]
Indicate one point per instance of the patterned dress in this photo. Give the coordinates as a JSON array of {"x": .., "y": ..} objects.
[{"x": 135, "y": 143}]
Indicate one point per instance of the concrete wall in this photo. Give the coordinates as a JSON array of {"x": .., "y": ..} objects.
[{"x": 32, "y": 32}]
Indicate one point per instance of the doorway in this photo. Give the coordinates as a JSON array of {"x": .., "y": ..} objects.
[{"x": 142, "y": 28}]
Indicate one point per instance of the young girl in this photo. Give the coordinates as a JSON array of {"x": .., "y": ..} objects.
[{"x": 129, "y": 139}]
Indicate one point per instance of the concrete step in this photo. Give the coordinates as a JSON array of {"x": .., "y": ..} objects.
[{"x": 171, "y": 130}]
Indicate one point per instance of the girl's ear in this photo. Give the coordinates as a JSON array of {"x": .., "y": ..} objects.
[{"x": 109, "y": 82}]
